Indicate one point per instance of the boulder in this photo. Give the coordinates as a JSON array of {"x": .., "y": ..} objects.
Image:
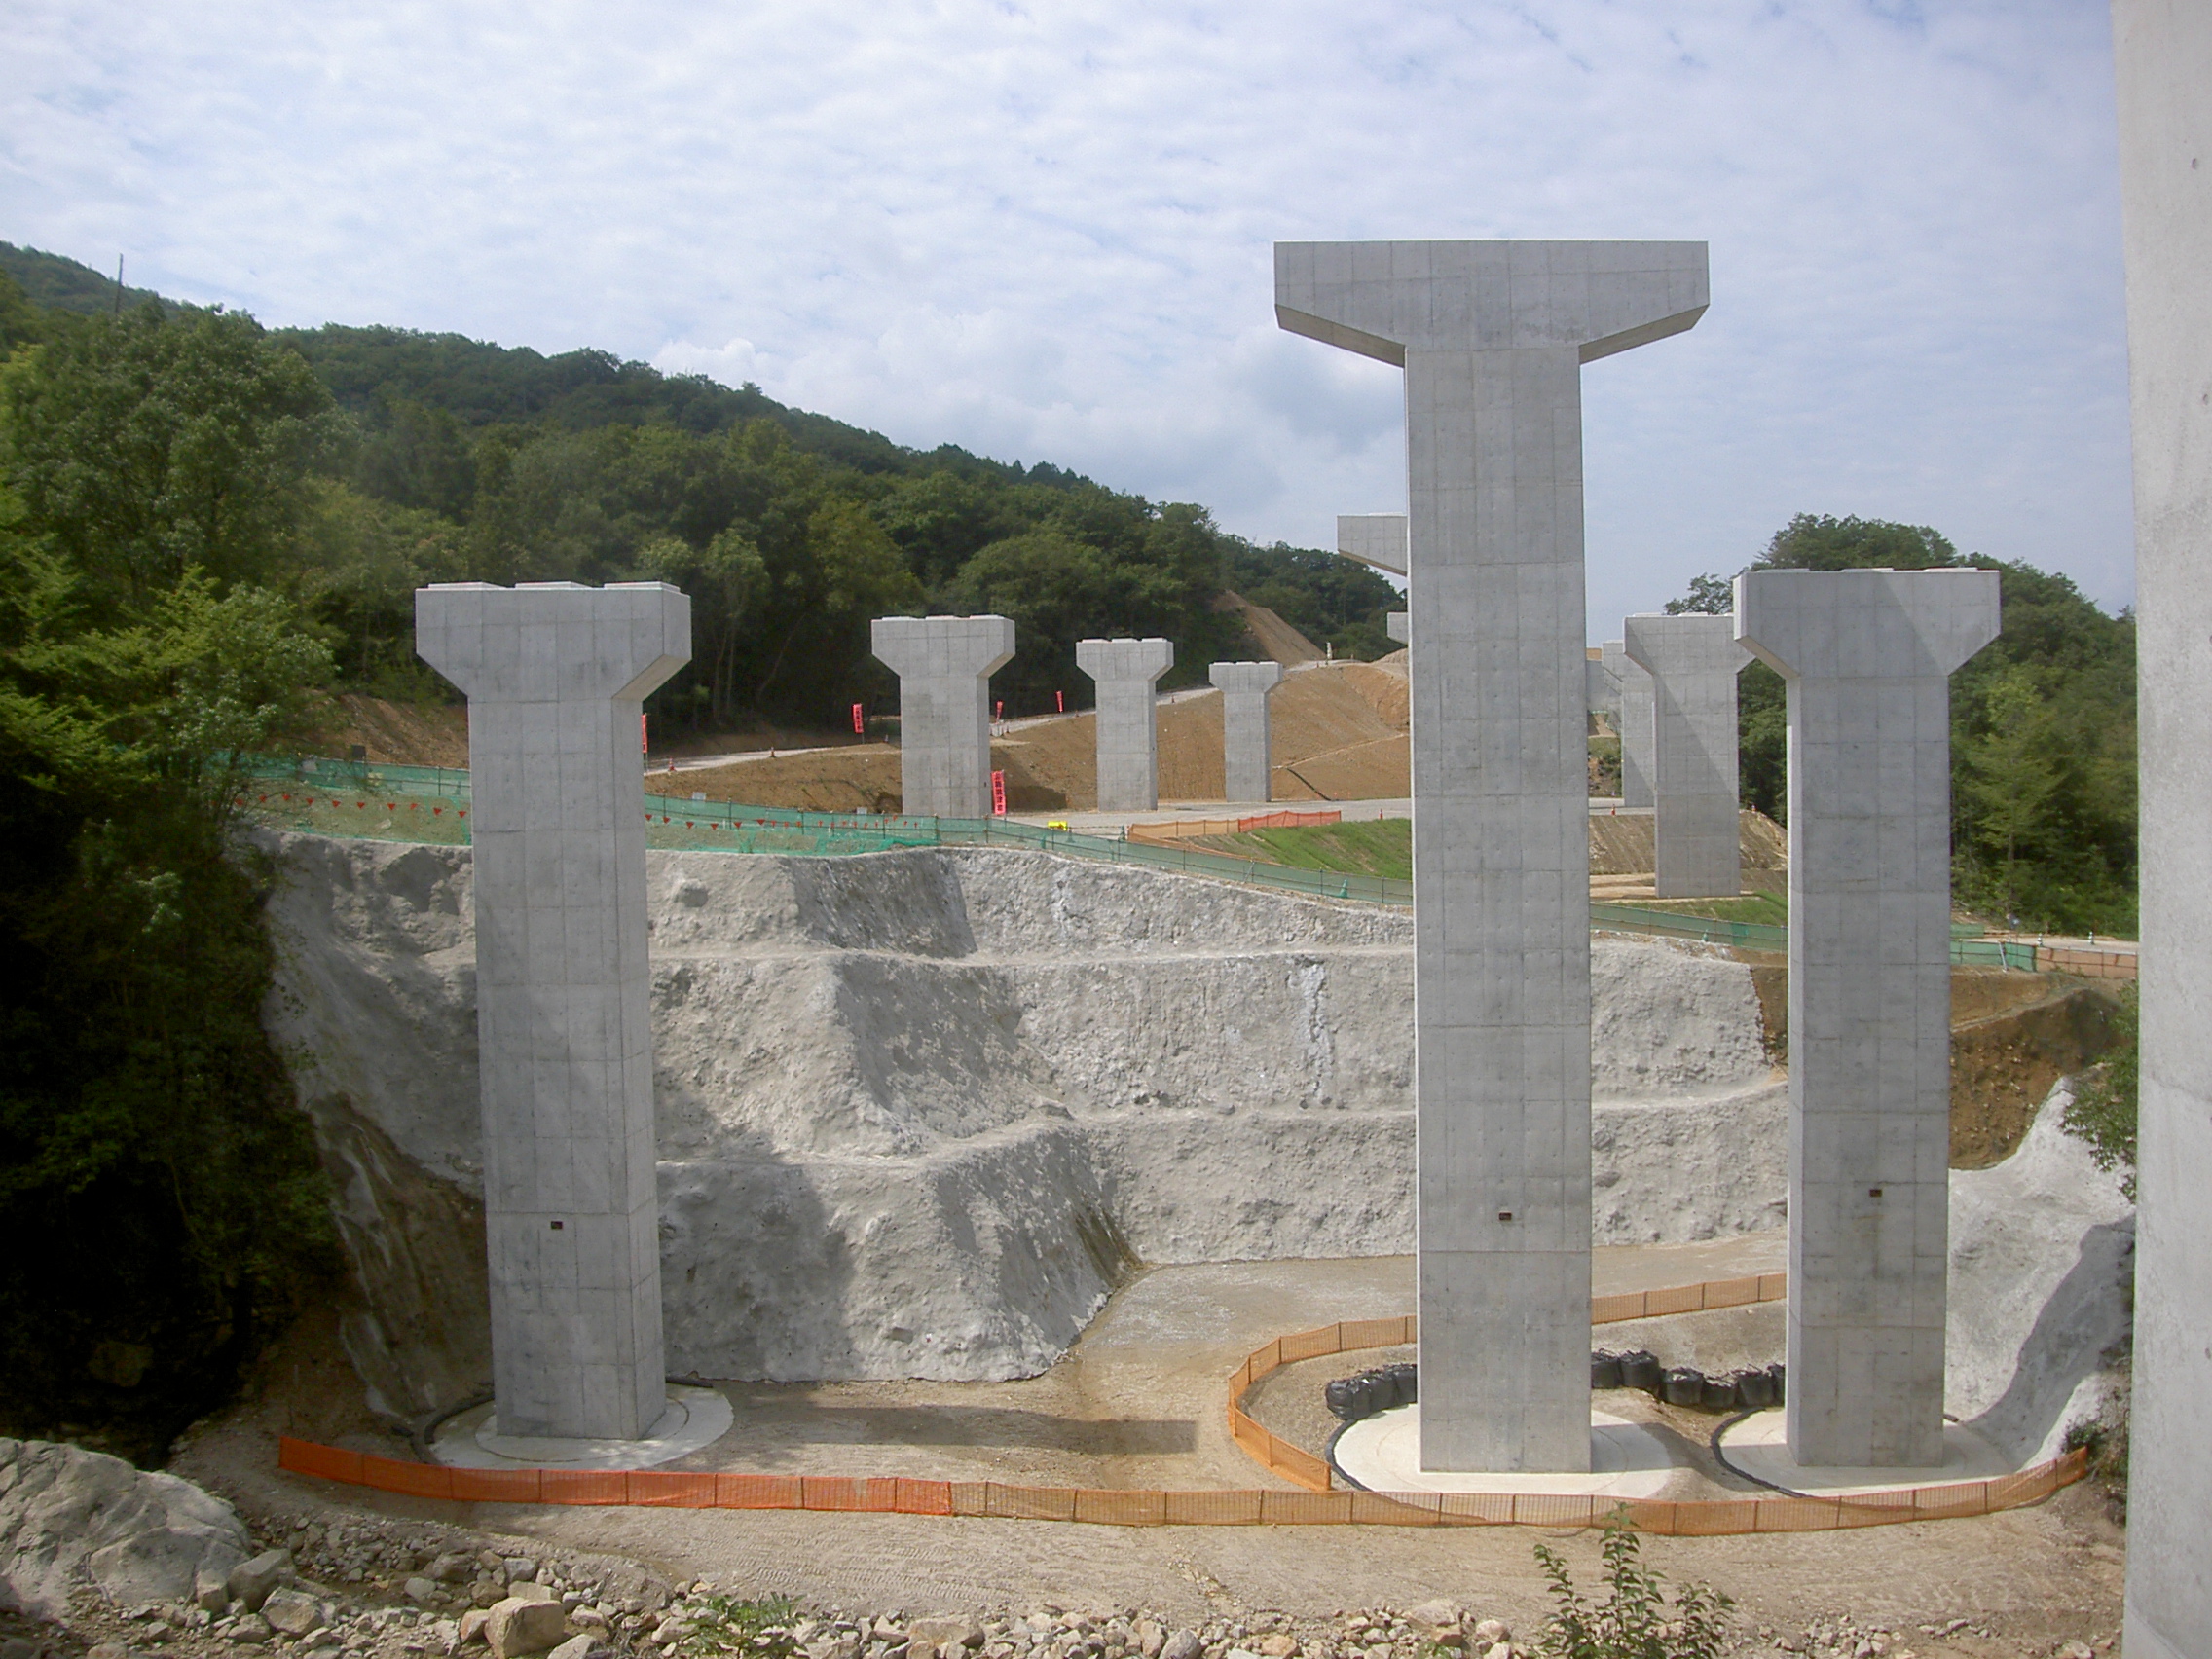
[
  {"x": 72, "y": 1519},
  {"x": 1183, "y": 1645},
  {"x": 576, "y": 1647},
  {"x": 520, "y": 1625},
  {"x": 932, "y": 1634},
  {"x": 250, "y": 1582},
  {"x": 294, "y": 1612}
]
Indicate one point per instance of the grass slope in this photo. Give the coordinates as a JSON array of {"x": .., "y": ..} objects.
[{"x": 1376, "y": 847}]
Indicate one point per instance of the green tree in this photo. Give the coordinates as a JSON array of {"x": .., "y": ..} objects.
[
  {"x": 2042, "y": 740},
  {"x": 162, "y": 1208},
  {"x": 1708, "y": 595},
  {"x": 141, "y": 447},
  {"x": 20, "y": 321},
  {"x": 1057, "y": 590},
  {"x": 726, "y": 579},
  {"x": 360, "y": 562}
]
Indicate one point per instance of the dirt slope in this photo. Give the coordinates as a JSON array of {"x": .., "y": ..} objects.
[
  {"x": 1339, "y": 734},
  {"x": 395, "y": 734},
  {"x": 1277, "y": 639}
]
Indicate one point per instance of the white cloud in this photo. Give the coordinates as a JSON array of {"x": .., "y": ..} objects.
[{"x": 1043, "y": 233}]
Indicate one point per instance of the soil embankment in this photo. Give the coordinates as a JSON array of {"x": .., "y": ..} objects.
[{"x": 1337, "y": 731}]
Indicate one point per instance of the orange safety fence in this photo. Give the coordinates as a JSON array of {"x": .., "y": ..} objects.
[
  {"x": 1228, "y": 1507},
  {"x": 1316, "y": 1505},
  {"x": 2089, "y": 963}
]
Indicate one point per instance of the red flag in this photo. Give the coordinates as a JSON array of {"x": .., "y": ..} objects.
[
  {"x": 998, "y": 794},
  {"x": 860, "y": 725}
]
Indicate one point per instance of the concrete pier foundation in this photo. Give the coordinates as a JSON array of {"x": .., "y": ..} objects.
[
  {"x": 945, "y": 666},
  {"x": 1399, "y": 625},
  {"x": 1636, "y": 722},
  {"x": 1248, "y": 762},
  {"x": 1692, "y": 662},
  {"x": 1868, "y": 655},
  {"x": 2164, "y": 52},
  {"x": 1493, "y": 335},
  {"x": 554, "y": 674},
  {"x": 1126, "y": 671}
]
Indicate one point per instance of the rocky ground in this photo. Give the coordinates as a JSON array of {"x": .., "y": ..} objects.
[{"x": 348, "y": 1586}]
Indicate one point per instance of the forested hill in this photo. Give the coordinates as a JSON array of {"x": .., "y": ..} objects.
[{"x": 438, "y": 457}]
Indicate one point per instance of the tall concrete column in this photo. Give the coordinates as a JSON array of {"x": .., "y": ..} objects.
[
  {"x": 1399, "y": 625},
  {"x": 1493, "y": 337},
  {"x": 945, "y": 666},
  {"x": 554, "y": 674},
  {"x": 1126, "y": 671},
  {"x": 1635, "y": 724},
  {"x": 1868, "y": 657},
  {"x": 1692, "y": 662},
  {"x": 1246, "y": 761},
  {"x": 1602, "y": 690},
  {"x": 2164, "y": 50}
]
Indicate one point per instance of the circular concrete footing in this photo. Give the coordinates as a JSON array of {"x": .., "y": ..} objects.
[
  {"x": 1383, "y": 1454},
  {"x": 1758, "y": 1446},
  {"x": 695, "y": 1418}
]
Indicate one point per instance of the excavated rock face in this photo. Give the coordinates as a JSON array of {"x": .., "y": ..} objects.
[
  {"x": 919, "y": 1112},
  {"x": 73, "y": 1521}
]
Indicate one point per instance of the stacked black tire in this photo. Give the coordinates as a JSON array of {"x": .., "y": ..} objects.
[
  {"x": 1750, "y": 1388},
  {"x": 1378, "y": 1390}
]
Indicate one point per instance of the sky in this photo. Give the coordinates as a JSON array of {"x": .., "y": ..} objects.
[{"x": 1042, "y": 231}]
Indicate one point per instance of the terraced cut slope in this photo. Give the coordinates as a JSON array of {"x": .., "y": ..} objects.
[{"x": 919, "y": 1112}]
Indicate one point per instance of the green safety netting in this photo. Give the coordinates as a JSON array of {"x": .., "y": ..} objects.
[{"x": 713, "y": 825}]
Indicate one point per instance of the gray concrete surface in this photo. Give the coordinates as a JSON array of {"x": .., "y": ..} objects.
[
  {"x": 945, "y": 666},
  {"x": 1868, "y": 655},
  {"x": 1493, "y": 335},
  {"x": 1601, "y": 687},
  {"x": 1399, "y": 625},
  {"x": 1247, "y": 763},
  {"x": 1632, "y": 694},
  {"x": 555, "y": 675},
  {"x": 1376, "y": 540},
  {"x": 2163, "y": 51},
  {"x": 1692, "y": 662},
  {"x": 1126, "y": 671}
]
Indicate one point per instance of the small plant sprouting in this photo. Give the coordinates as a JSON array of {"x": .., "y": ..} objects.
[
  {"x": 727, "y": 1624},
  {"x": 1634, "y": 1620}
]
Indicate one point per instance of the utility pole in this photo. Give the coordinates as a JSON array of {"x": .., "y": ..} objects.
[{"x": 119, "y": 284}]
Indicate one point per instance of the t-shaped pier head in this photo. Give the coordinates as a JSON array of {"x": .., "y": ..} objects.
[
  {"x": 1246, "y": 764},
  {"x": 945, "y": 666},
  {"x": 554, "y": 674},
  {"x": 1493, "y": 335},
  {"x": 1692, "y": 663},
  {"x": 1126, "y": 671},
  {"x": 1375, "y": 540},
  {"x": 1868, "y": 657}
]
